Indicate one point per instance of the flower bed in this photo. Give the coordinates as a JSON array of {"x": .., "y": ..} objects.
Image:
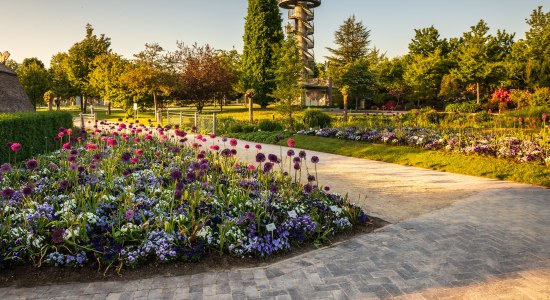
[
  {"x": 131, "y": 194},
  {"x": 519, "y": 146}
]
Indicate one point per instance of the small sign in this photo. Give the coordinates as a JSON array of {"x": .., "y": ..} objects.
[
  {"x": 292, "y": 214},
  {"x": 270, "y": 227},
  {"x": 135, "y": 106}
]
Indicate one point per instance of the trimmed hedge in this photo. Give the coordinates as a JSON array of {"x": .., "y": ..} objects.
[{"x": 34, "y": 131}]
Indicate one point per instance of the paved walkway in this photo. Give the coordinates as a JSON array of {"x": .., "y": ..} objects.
[{"x": 491, "y": 243}]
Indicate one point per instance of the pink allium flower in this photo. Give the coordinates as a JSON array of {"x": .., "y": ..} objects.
[
  {"x": 69, "y": 131},
  {"x": 60, "y": 134},
  {"x": 233, "y": 142},
  {"x": 148, "y": 137},
  {"x": 251, "y": 167},
  {"x": 135, "y": 160},
  {"x": 215, "y": 147},
  {"x": 111, "y": 142},
  {"x": 247, "y": 146},
  {"x": 212, "y": 136},
  {"x": 137, "y": 139},
  {"x": 199, "y": 137},
  {"x": 15, "y": 147},
  {"x": 91, "y": 146},
  {"x": 258, "y": 146},
  {"x": 291, "y": 143},
  {"x": 163, "y": 138},
  {"x": 66, "y": 146},
  {"x": 139, "y": 152}
]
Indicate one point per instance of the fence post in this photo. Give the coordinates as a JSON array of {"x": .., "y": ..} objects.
[
  {"x": 181, "y": 118},
  {"x": 196, "y": 121},
  {"x": 82, "y": 121},
  {"x": 95, "y": 119},
  {"x": 214, "y": 123},
  {"x": 167, "y": 117}
]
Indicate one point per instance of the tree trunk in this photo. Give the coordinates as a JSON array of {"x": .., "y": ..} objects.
[
  {"x": 155, "y": 104},
  {"x": 356, "y": 103},
  {"x": 85, "y": 102},
  {"x": 477, "y": 91},
  {"x": 82, "y": 104},
  {"x": 250, "y": 110},
  {"x": 345, "y": 107}
]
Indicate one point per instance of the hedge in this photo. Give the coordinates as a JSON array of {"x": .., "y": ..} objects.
[{"x": 35, "y": 131}]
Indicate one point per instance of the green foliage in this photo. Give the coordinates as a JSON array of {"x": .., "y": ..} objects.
[
  {"x": 314, "y": 118},
  {"x": 353, "y": 42},
  {"x": 34, "y": 78},
  {"x": 34, "y": 131},
  {"x": 262, "y": 31},
  {"x": 105, "y": 79},
  {"x": 288, "y": 76},
  {"x": 521, "y": 98},
  {"x": 427, "y": 41},
  {"x": 269, "y": 125},
  {"x": 541, "y": 97},
  {"x": 360, "y": 79},
  {"x": 464, "y": 107},
  {"x": 424, "y": 75},
  {"x": 61, "y": 85}
]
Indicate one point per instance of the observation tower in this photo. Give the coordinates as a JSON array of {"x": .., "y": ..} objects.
[{"x": 301, "y": 15}]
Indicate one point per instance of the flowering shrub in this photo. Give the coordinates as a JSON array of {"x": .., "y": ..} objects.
[
  {"x": 521, "y": 147},
  {"x": 131, "y": 194}
]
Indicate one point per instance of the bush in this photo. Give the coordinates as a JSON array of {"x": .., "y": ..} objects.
[
  {"x": 541, "y": 97},
  {"x": 33, "y": 131},
  {"x": 316, "y": 118},
  {"x": 269, "y": 125},
  {"x": 464, "y": 107},
  {"x": 267, "y": 137},
  {"x": 226, "y": 124}
]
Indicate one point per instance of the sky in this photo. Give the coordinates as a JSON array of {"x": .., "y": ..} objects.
[{"x": 42, "y": 28}]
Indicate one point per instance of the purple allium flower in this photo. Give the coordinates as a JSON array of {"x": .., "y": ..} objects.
[
  {"x": 191, "y": 176},
  {"x": 250, "y": 215},
  {"x": 290, "y": 153},
  {"x": 93, "y": 166},
  {"x": 129, "y": 214},
  {"x": 58, "y": 235},
  {"x": 52, "y": 166},
  {"x": 285, "y": 173},
  {"x": 176, "y": 174},
  {"x": 310, "y": 178},
  {"x": 268, "y": 166},
  {"x": 308, "y": 188},
  {"x": 273, "y": 188},
  {"x": 314, "y": 159},
  {"x": 179, "y": 185},
  {"x": 327, "y": 188},
  {"x": 5, "y": 168},
  {"x": 81, "y": 169},
  {"x": 260, "y": 157},
  {"x": 27, "y": 191},
  {"x": 74, "y": 152},
  {"x": 225, "y": 152},
  {"x": 233, "y": 151},
  {"x": 97, "y": 157},
  {"x": 205, "y": 166},
  {"x": 200, "y": 155},
  {"x": 296, "y": 159},
  {"x": 73, "y": 167},
  {"x": 63, "y": 184},
  {"x": 31, "y": 164},
  {"x": 8, "y": 193},
  {"x": 296, "y": 166},
  {"x": 71, "y": 158},
  {"x": 126, "y": 172},
  {"x": 126, "y": 157},
  {"x": 177, "y": 194},
  {"x": 302, "y": 154},
  {"x": 272, "y": 158}
]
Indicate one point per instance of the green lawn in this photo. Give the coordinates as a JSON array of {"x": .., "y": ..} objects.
[{"x": 436, "y": 160}]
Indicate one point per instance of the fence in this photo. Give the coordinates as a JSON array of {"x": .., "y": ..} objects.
[
  {"x": 87, "y": 120},
  {"x": 205, "y": 123}
]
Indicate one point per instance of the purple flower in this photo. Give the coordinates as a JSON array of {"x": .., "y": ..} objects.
[
  {"x": 272, "y": 158},
  {"x": 5, "y": 168},
  {"x": 296, "y": 166},
  {"x": 176, "y": 174},
  {"x": 273, "y": 188},
  {"x": 290, "y": 153},
  {"x": 327, "y": 188},
  {"x": 314, "y": 159},
  {"x": 191, "y": 176},
  {"x": 200, "y": 155},
  {"x": 268, "y": 167},
  {"x": 73, "y": 167},
  {"x": 126, "y": 172},
  {"x": 310, "y": 178},
  {"x": 58, "y": 235},
  {"x": 74, "y": 152},
  {"x": 302, "y": 154},
  {"x": 63, "y": 184},
  {"x": 126, "y": 157},
  {"x": 308, "y": 188},
  {"x": 27, "y": 191},
  {"x": 260, "y": 157},
  {"x": 179, "y": 185},
  {"x": 71, "y": 158},
  {"x": 296, "y": 159},
  {"x": 31, "y": 164},
  {"x": 8, "y": 193},
  {"x": 250, "y": 215},
  {"x": 129, "y": 214}
]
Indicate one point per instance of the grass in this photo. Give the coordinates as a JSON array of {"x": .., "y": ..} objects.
[{"x": 429, "y": 159}]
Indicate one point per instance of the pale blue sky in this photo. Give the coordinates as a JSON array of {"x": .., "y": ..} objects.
[{"x": 41, "y": 28}]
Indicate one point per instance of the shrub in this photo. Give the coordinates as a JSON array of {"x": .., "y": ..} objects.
[
  {"x": 541, "y": 97},
  {"x": 269, "y": 125},
  {"x": 33, "y": 131},
  {"x": 316, "y": 118},
  {"x": 520, "y": 98}
]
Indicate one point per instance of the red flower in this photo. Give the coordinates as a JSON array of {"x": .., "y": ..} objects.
[
  {"x": 15, "y": 147},
  {"x": 291, "y": 143},
  {"x": 233, "y": 142}
]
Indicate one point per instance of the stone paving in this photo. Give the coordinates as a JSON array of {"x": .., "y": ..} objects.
[{"x": 492, "y": 244}]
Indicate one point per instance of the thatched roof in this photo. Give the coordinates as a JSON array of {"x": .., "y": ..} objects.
[{"x": 12, "y": 96}]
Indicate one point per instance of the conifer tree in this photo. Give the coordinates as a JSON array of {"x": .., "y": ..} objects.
[{"x": 262, "y": 32}]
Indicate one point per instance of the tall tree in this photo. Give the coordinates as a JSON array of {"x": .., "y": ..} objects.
[
  {"x": 424, "y": 75},
  {"x": 80, "y": 61},
  {"x": 426, "y": 41},
  {"x": 106, "y": 79},
  {"x": 390, "y": 77},
  {"x": 537, "y": 42},
  {"x": 288, "y": 76},
  {"x": 34, "y": 78},
  {"x": 353, "y": 42},
  {"x": 473, "y": 57},
  {"x": 262, "y": 31},
  {"x": 360, "y": 80},
  {"x": 203, "y": 74},
  {"x": 61, "y": 85}
]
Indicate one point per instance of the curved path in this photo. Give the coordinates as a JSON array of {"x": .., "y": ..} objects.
[{"x": 453, "y": 237}]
